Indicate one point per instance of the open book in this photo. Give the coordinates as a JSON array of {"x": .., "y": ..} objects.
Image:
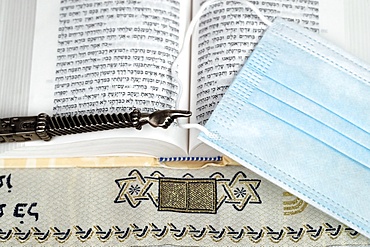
[{"x": 98, "y": 57}]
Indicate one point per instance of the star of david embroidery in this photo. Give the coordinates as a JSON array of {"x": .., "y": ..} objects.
[
  {"x": 134, "y": 189},
  {"x": 240, "y": 191}
]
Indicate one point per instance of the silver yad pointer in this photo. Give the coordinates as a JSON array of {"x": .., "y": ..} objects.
[{"x": 44, "y": 127}]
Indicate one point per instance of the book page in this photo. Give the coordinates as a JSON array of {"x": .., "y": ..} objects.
[
  {"x": 16, "y": 35},
  {"x": 225, "y": 36},
  {"x": 345, "y": 23},
  {"x": 113, "y": 56},
  {"x": 98, "y": 57}
]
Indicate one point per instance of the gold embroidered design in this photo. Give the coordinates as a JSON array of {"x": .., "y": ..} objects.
[
  {"x": 293, "y": 205},
  {"x": 172, "y": 195},
  {"x": 187, "y": 195}
]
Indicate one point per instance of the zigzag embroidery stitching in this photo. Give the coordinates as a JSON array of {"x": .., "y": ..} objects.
[{"x": 121, "y": 234}]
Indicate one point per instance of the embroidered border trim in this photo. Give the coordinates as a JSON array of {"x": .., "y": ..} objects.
[{"x": 121, "y": 234}]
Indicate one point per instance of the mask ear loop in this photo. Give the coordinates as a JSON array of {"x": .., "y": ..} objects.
[{"x": 186, "y": 40}]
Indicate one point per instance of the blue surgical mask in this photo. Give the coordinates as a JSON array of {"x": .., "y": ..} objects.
[{"x": 298, "y": 113}]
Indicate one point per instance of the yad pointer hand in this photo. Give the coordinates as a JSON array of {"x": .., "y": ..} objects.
[{"x": 163, "y": 118}]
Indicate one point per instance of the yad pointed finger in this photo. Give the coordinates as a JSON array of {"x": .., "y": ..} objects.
[{"x": 179, "y": 113}]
